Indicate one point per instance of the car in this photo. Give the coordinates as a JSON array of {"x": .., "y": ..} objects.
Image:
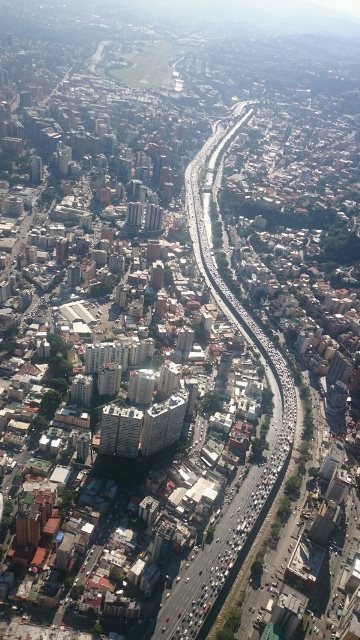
[
  {"x": 187, "y": 579},
  {"x": 168, "y": 595}
]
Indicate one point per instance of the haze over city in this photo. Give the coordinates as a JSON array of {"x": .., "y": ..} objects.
[{"x": 179, "y": 320}]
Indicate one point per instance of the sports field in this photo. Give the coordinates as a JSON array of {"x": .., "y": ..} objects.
[{"x": 147, "y": 68}]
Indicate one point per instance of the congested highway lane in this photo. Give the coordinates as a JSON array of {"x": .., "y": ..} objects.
[{"x": 183, "y": 607}]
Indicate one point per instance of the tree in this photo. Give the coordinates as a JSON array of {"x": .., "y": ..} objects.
[
  {"x": 17, "y": 480},
  {"x": 267, "y": 403},
  {"x": 233, "y": 619},
  {"x": 284, "y": 509},
  {"x": 67, "y": 499},
  {"x": 61, "y": 385},
  {"x": 57, "y": 345},
  {"x": 257, "y": 569},
  {"x": 7, "y": 517},
  {"x": 168, "y": 277},
  {"x": 261, "y": 371},
  {"x": 208, "y": 367},
  {"x": 68, "y": 582},
  {"x": 210, "y": 534},
  {"x": 40, "y": 424},
  {"x": 100, "y": 290},
  {"x": 115, "y": 575},
  {"x": 210, "y": 403},
  {"x": 97, "y": 629},
  {"x": 258, "y": 446},
  {"x": 292, "y": 487},
  {"x": 77, "y": 591},
  {"x": 313, "y": 472},
  {"x": 59, "y": 367},
  {"x": 50, "y": 402},
  {"x": 225, "y": 634}
]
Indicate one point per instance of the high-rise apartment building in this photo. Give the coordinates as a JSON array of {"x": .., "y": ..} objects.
[
  {"x": 185, "y": 341},
  {"x": 141, "y": 386},
  {"x": 121, "y": 293},
  {"x": 134, "y": 214},
  {"x": 153, "y": 218},
  {"x": 83, "y": 447},
  {"x": 97, "y": 355},
  {"x": 350, "y": 620},
  {"x": 157, "y": 275},
  {"x": 170, "y": 378},
  {"x": 36, "y": 168},
  {"x": 224, "y": 366},
  {"x": 33, "y": 513},
  {"x": 109, "y": 379},
  {"x": 162, "y": 424},
  {"x": 340, "y": 369},
  {"x": 81, "y": 390},
  {"x": 74, "y": 275},
  {"x": 192, "y": 386},
  {"x": 62, "y": 250},
  {"x": 120, "y": 431}
]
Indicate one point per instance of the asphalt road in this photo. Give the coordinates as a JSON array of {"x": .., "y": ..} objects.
[{"x": 176, "y": 611}]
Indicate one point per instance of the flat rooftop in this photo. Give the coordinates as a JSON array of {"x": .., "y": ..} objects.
[{"x": 306, "y": 560}]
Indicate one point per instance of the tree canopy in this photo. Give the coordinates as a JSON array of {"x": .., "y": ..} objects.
[
  {"x": 77, "y": 591},
  {"x": 210, "y": 403},
  {"x": 59, "y": 384},
  {"x": 292, "y": 487},
  {"x": 50, "y": 402},
  {"x": 59, "y": 367},
  {"x": 57, "y": 345},
  {"x": 40, "y": 423}
]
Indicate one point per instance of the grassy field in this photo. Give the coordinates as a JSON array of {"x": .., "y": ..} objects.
[{"x": 148, "y": 68}]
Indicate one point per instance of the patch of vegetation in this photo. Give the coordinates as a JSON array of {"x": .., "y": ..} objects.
[
  {"x": 292, "y": 488},
  {"x": 210, "y": 403},
  {"x": 50, "y": 402}
]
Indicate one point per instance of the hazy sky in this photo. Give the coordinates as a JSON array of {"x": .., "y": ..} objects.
[
  {"x": 348, "y": 7},
  {"x": 309, "y": 15},
  {"x": 339, "y": 17}
]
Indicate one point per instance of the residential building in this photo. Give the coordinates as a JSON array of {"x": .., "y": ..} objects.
[
  {"x": 97, "y": 355},
  {"x": 134, "y": 214},
  {"x": 324, "y": 522},
  {"x": 162, "y": 424},
  {"x": 62, "y": 250},
  {"x": 83, "y": 447},
  {"x": 74, "y": 275},
  {"x": 157, "y": 275},
  {"x": 36, "y": 169},
  {"x": 340, "y": 369},
  {"x": 33, "y": 513},
  {"x": 81, "y": 390},
  {"x": 184, "y": 342},
  {"x": 120, "y": 431},
  {"x": 153, "y": 218},
  {"x": 141, "y": 386},
  {"x": 339, "y": 486},
  {"x": 350, "y": 621},
  {"x": 148, "y": 509},
  {"x": 109, "y": 379},
  {"x": 170, "y": 378}
]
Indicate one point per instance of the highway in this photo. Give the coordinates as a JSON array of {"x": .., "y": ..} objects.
[{"x": 185, "y": 605}]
